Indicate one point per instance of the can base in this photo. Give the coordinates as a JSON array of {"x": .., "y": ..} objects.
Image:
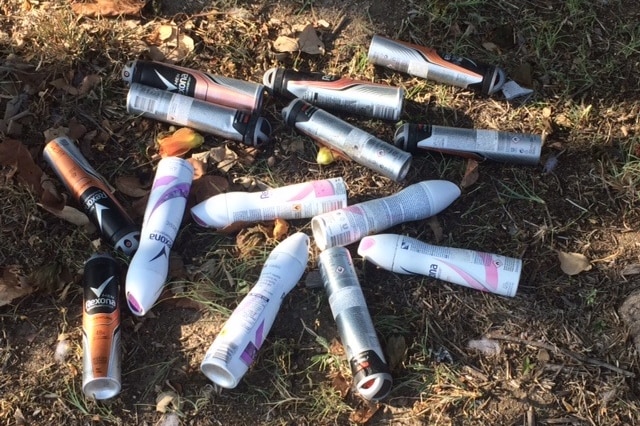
[
  {"x": 101, "y": 388},
  {"x": 219, "y": 375}
]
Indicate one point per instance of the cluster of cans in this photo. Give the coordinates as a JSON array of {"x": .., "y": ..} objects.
[{"x": 231, "y": 109}]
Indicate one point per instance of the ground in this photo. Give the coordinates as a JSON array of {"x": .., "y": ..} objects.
[{"x": 567, "y": 344}]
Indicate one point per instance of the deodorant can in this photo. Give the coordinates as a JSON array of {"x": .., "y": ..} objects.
[
  {"x": 354, "y": 143},
  {"x": 225, "y": 91},
  {"x": 335, "y": 93},
  {"x": 101, "y": 328},
  {"x": 182, "y": 110},
  {"x": 425, "y": 62},
  {"x": 93, "y": 192},
  {"x": 371, "y": 376},
  {"x": 478, "y": 144}
]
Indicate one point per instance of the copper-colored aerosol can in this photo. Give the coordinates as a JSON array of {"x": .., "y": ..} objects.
[
  {"x": 371, "y": 376},
  {"x": 93, "y": 192},
  {"x": 424, "y": 62},
  {"x": 225, "y": 91},
  {"x": 101, "y": 328},
  {"x": 354, "y": 143},
  {"x": 335, "y": 93},
  {"x": 478, "y": 144},
  {"x": 181, "y": 110}
]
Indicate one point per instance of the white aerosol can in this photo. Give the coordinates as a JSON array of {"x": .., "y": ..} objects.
[
  {"x": 488, "y": 272},
  {"x": 297, "y": 201},
  {"x": 371, "y": 376},
  {"x": 352, "y": 142},
  {"x": 350, "y": 224},
  {"x": 149, "y": 267},
  {"x": 236, "y": 346}
]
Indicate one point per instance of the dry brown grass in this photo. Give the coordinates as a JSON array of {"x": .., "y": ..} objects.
[{"x": 566, "y": 356}]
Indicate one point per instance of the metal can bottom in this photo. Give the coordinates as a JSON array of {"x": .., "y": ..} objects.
[{"x": 101, "y": 388}]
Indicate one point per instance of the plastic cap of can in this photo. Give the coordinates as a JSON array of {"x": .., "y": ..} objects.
[
  {"x": 127, "y": 72},
  {"x": 261, "y": 132}
]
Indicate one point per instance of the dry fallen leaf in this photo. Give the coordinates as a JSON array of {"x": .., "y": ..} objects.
[
  {"x": 340, "y": 383},
  {"x": 208, "y": 186},
  {"x": 109, "y": 7},
  {"x": 633, "y": 269},
  {"x": 280, "y": 229},
  {"x": 363, "y": 413},
  {"x": 173, "y": 45},
  {"x": 15, "y": 155},
  {"x": 306, "y": 41},
  {"x": 168, "y": 400},
  {"x": 131, "y": 186},
  {"x": 471, "y": 174},
  {"x": 324, "y": 156},
  {"x": 573, "y": 263},
  {"x": 436, "y": 228},
  {"x": 396, "y": 350},
  {"x": 70, "y": 214},
  {"x": 179, "y": 142},
  {"x": 13, "y": 285}
]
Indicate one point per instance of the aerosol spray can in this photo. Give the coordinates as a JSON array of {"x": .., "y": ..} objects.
[
  {"x": 149, "y": 267},
  {"x": 337, "y": 93},
  {"x": 297, "y": 201},
  {"x": 93, "y": 192},
  {"x": 101, "y": 328},
  {"x": 370, "y": 371},
  {"x": 225, "y": 91},
  {"x": 354, "y": 143},
  {"x": 236, "y": 346},
  {"x": 478, "y": 144},
  {"x": 350, "y": 224},
  {"x": 425, "y": 62},
  {"x": 182, "y": 110},
  {"x": 474, "y": 269}
]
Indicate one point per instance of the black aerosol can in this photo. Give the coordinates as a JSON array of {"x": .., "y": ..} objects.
[
  {"x": 101, "y": 328},
  {"x": 225, "y": 91},
  {"x": 93, "y": 192},
  {"x": 371, "y": 376},
  {"x": 478, "y": 144},
  {"x": 182, "y": 110},
  {"x": 363, "y": 98},
  {"x": 354, "y": 143}
]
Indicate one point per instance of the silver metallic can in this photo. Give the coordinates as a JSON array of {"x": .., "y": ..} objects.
[
  {"x": 185, "y": 111},
  {"x": 337, "y": 93},
  {"x": 354, "y": 143},
  {"x": 425, "y": 62},
  {"x": 101, "y": 328},
  {"x": 225, "y": 91},
  {"x": 371, "y": 375},
  {"x": 517, "y": 148}
]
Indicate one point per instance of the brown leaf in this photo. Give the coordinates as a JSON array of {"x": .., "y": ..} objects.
[
  {"x": 573, "y": 263},
  {"x": 280, "y": 229},
  {"x": 340, "y": 383},
  {"x": 630, "y": 314},
  {"x": 363, "y": 413},
  {"x": 13, "y": 285},
  {"x": 396, "y": 351},
  {"x": 76, "y": 129},
  {"x": 633, "y": 269},
  {"x": 131, "y": 186},
  {"x": 208, "y": 186},
  {"x": 14, "y": 154},
  {"x": 109, "y": 7},
  {"x": 471, "y": 174},
  {"x": 55, "y": 132},
  {"x": 306, "y": 41},
  {"x": 70, "y": 214},
  {"x": 89, "y": 82},
  {"x": 199, "y": 168},
  {"x": 436, "y": 228}
]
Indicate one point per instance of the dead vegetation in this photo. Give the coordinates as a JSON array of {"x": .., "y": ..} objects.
[{"x": 563, "y": 351}]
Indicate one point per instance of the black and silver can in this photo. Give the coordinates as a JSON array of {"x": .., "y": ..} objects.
[
  {"x": 425, "y": 62},
  {"x": 363, "y": 98},
  {"x": 207, "y": 117},
  {"x": 352, "y": 142},
  {"x": 101, "y": 377},
  {"x": 478, "y": 144},
  {"x": 371, "y": 376},
  {"x": 225, "y": 91},
  {"x": 94, "y": 193}
]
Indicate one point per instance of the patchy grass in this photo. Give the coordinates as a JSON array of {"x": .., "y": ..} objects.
[{"x": 566, "y": 356}]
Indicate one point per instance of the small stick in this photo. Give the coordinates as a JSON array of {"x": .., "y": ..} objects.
[{"x": 571, "y": 354}]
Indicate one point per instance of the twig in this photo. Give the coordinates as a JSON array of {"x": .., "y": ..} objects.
[{"x": 566, "y": 352}]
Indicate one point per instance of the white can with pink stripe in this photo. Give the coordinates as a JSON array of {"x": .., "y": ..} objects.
[
  {"x": 478, "y": 270},
  {"x": 297, "y": 201}
]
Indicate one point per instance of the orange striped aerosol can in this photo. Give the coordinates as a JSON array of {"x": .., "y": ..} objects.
[
  {"x": 101, "y": 328},
  {"x": 93, "y": 193}
]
